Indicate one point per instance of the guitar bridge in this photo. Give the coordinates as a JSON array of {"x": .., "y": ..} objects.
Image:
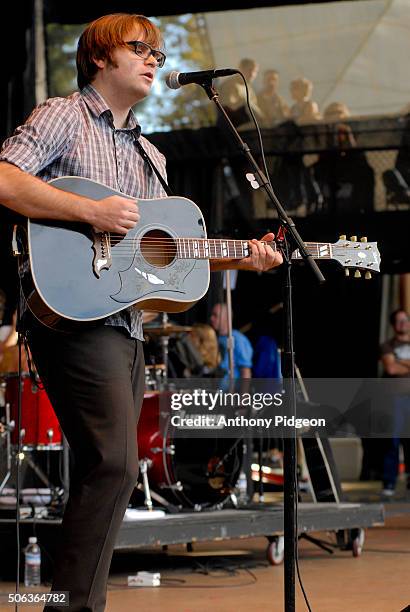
[{"x": 102, "y": 252}]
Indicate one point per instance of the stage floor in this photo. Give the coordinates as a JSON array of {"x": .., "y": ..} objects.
[{"x": 233, "y": 576}]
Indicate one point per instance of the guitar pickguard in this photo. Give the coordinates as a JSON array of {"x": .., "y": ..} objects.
[{"x": 141, "y": 279}]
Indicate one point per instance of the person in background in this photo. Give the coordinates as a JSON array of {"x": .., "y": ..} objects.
[
  {"x": 243, "y": 352},
  {"x": 272, "y": 105},
  {"x": 232, "y": 96},
  {"x": 304, "y": 109},
  {"x": 336, "y": 111},
  {"x": 395, "y": 357},
  {"x": 342, "y": 173},
  {"x": 204, "y": 338},
  {"x": 9, "y": 349}
]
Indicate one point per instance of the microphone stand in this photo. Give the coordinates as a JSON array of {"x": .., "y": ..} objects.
[{"x": 289, "y": 234}]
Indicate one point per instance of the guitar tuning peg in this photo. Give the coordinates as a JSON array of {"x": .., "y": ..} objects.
[
  {"x": 347, "y": 272},
  {"x": 342, "y": 237},
  {"x": 357, "y": 274},
  {"x": 368, "y": 275},
  {"x": 363, "y": 239},
  {"x": 353, "y": 238}
]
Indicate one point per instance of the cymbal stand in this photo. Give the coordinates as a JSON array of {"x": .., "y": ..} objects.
[
  {"x": 6, "y": 430},
  {"x": 164, "y": 341}
]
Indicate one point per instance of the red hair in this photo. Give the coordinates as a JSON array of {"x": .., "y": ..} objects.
[{"x": 103, "y": 35}]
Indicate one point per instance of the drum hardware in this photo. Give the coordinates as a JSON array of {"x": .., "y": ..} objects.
[
  {"x": 2, "y": 391},
  {"x": 166, "y": 328},
  {"x": 144, "y": 465},
  {"x": 234, "y": 499},
  {"x": 158, "y": 498},
  {"x": 177, "y": 486},
  {"x": 24, "y": 456},
  {"x": 162, "y": 332},
  {"x": 170, "y": 450},
  {"x": 39, "y": 427},
  {"x": 188, "y": 473},
  {"x": 155, "y": 377},
  {"x": 7, "y": 427}
]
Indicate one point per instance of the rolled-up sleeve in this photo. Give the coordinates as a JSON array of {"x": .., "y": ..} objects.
[{"x": 43, "y": 138}]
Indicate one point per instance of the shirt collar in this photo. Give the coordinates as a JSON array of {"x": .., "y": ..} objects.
[{"x": 99, "y": 107}]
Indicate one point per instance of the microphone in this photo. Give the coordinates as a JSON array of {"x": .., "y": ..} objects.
[{"x": 175, "y": 80}]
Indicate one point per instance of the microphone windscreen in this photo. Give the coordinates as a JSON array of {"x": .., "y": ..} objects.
[{"x": 171, "y": 80}]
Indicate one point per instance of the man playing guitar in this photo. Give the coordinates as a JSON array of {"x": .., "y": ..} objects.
[{"x": 95, "y": 376}]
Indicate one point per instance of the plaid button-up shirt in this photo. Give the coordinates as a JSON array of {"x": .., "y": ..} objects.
[{"x": 75, "y": 136}]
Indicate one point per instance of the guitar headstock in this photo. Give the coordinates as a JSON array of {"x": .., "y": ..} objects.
[{"x": 361, "y": 256}]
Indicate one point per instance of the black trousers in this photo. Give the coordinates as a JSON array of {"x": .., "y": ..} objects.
[{"x": 95, "y": 382}]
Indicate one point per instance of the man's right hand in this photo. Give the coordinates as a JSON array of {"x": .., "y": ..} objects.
[
  {"x": 115, "y": 214},
  {"x": 32, "y": 197}
]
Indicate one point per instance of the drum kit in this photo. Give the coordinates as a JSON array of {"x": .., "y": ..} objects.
[
  {"x": 180, "y": 473},
  {"x": 175, "y": 473},
  {"x": 39, "y": 431}
]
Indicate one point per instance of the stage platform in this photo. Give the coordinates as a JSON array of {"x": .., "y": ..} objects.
[
  {"x": 189, "y": 527},
  {"x": 257, "y": 520}
]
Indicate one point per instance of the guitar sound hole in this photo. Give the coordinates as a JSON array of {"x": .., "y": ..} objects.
[{"x": 158, "y": 248}]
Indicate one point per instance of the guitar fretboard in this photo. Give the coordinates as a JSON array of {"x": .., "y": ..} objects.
[
  {"x": 209, "y": 248},
  {"x": 217, "y": 248}
]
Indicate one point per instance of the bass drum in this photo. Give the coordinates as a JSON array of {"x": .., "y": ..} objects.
[{"x": 196, "y": 473}]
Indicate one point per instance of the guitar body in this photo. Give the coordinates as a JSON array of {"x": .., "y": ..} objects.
[{"x": 84, "y": 276}]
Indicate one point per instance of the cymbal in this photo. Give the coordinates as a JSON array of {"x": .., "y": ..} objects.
[{"x": 166, "y": 330}]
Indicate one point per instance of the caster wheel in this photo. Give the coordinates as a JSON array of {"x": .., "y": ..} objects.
[
  {"x": 357, "y": 543},
  {"x": 276, "y": 550}
]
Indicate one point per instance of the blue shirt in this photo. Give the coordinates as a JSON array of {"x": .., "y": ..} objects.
[{"x": 242, "y": 353}]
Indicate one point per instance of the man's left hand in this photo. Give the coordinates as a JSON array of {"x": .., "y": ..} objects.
[{"x": 262, "y": 257}]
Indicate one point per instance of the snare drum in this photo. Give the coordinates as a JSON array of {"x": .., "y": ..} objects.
[
  {"x": 191, "y": 472},
  {"x": 40, "y": 428}
]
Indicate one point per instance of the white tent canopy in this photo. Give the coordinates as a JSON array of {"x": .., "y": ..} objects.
[{"x": 354, "y": 52}]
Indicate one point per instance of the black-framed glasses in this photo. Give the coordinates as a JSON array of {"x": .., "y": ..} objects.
[{"x": 145, "y": 51}]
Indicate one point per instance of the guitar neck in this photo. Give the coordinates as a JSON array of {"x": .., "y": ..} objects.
[{"x": 217, "y": 248}]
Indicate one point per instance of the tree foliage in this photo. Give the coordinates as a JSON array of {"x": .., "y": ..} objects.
[{"x": 187, "y": 49}]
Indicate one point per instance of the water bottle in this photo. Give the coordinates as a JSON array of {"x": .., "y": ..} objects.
[{"x": 32, "y": 564}]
